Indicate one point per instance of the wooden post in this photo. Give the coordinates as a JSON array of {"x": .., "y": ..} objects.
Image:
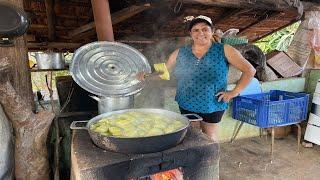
[
  {"x": 30, "y": 155},
  {"x": 102, "y": 19},
  {"x": 18, "y": 58}
]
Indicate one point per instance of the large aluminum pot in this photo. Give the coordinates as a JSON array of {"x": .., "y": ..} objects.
[
  {"x": 139, "y": 144},
  {"x": 57, "y": 60},
  {"x": 49, "y": 60},
  {"x": 108, "y": 104},
  {"x": 43, "y": 60}
]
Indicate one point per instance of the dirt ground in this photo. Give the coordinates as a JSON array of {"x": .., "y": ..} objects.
[{"x": 250, "y": 159}]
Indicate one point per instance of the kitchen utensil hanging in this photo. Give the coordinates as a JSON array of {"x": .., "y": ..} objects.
[{"x": 13, "y": 22}]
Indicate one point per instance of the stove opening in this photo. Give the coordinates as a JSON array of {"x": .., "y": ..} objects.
[{"x": 173, "y": 174}]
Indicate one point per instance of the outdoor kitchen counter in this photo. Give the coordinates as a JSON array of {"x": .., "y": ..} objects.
[{"x": 197, "y": 155}]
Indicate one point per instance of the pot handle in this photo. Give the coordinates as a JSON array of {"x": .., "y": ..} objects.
[
  {"x": 74, "y": 125},
  {"x": 198, "y": 118},
  {"x": 95, "y": 98}
]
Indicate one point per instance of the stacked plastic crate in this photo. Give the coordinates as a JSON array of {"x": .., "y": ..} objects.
[
  {"x": 275, "y": 108},
  {"x": 312, "y": 133}
]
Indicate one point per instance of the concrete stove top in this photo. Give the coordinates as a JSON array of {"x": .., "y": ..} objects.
[{"x": 197, "y": 155}]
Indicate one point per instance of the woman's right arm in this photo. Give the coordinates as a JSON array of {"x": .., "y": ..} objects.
[{"x": 172, "y": 60}]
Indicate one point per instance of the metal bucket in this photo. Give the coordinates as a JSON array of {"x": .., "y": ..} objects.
[
  {"x": 57, "y": 60},
  {"x": 43, "y": 60}
]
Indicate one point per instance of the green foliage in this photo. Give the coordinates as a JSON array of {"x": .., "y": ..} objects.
[
  {"x": 39, "y": 80},
  {"x": 279, "y": 40}
]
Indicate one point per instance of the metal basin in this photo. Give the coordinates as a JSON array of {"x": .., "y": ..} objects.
[{"x": 138, "y": 145}]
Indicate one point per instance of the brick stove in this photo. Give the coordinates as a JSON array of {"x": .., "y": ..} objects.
[{"x": 197, "y": 156}]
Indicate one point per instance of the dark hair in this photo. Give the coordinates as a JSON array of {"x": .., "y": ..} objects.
[{"x": 199, "y": 20}]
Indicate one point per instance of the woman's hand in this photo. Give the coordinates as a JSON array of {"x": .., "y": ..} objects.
[
  {"x": 226, "y": 96},
  {"x": 141, "y": 76}
]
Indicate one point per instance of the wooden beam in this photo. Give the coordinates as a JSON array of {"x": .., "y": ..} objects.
[
  {"x": 116, "y": 17},
  {"x": 260, "y": 4},
  {"x": 225, "y": 15},
  {"x": 53, "y": 45},
  {"x": 30, "y": 37},
  {"x": 137, "y": 41},
  {"x": 41, "y": 26},
  {"x": 50, "y": 19},
  {"x": 311, "y": 6},
  {"x": 266, "y": 15},
  {"x": 65, "y": 16},
  {"x": 82, "y": 29},
  {"x": 128, "y": 12},
  {"x": 83, "y": 35}
]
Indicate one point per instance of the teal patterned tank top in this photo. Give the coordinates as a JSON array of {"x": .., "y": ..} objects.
[{"x": 199, "y": 80}]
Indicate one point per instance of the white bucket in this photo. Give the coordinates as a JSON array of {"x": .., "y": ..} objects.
[
  {"x": 314, "y": 119},
  {"x": 315, "y": 109},
  {"x": 317, "y": 90},
  {"x": 312, "y": 134},
  {"x": 316, "y": 98}
]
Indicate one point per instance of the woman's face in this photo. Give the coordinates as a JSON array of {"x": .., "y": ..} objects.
[{"x": 201, "y": 33}]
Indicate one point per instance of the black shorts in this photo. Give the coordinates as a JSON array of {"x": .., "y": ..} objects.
[{"x": 214, "y": 117}]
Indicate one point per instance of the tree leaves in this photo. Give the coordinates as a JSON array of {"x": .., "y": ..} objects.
[{"x": 279, "y": 40}]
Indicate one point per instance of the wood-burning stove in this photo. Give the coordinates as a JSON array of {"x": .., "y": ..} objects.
[
  {"x": 196, "y": 156},
  {"x": 109, "y": 69}
]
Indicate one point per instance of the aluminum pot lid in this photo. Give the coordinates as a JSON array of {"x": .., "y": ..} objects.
[{"x": 108, "y": 68}]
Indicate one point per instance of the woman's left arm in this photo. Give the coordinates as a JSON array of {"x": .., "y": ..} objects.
[{"x": 235, "y": 58}]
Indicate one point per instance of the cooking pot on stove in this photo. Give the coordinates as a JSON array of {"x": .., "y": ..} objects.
[
  {"x": 107, "y": 104},
  {"x": 137, "y": 145}
]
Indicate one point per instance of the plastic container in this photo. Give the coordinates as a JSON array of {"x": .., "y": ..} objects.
[
  {"x": 234, "y": 40},
  {"x": 275, "y": 108}
]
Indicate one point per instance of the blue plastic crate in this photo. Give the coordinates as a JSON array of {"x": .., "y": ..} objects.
[{"x": 275, "y": 108}]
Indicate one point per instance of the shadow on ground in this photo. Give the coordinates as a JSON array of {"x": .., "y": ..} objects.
[{"x": 250, "y": 159}]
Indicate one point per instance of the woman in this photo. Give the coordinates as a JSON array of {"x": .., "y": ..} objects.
[{"x": 201, "y": 70}]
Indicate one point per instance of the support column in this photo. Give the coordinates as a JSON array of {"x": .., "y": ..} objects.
[
  {"x": 18, "y": 58},
  {"x": 102, "y": 19}
]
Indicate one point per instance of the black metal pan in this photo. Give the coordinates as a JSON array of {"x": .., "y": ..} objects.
[
  {"x": 13, "y": 20},
  {"x": 139, "y": 144}
]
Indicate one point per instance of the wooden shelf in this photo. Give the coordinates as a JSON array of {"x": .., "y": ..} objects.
[{"x": 43, "y": 70}]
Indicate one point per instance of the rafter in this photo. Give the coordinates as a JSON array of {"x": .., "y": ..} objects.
[
  {"x": 266, "y": 15},
  {"x": 53, "y": 45},
  {"x": 116, "y": 17},
  {"x": 225, "y": 15},
  {"x": 50, "y": 19},
  {"x": 261, "y": 4}
]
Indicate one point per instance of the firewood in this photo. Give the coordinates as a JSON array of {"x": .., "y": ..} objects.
[{"x": 30, "y": 130}]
